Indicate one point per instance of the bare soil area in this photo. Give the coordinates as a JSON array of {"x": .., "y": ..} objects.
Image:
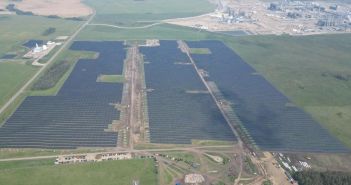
[
  {"x": 61, "y": 8},
  {"x": 2, "y": 4},
  {"x": 275, "y": 173}
]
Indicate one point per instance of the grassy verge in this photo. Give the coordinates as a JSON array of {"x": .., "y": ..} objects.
[
  {"x": 111, "y": 78},
  {"x": 200, "y": 51},
  {"x": 211, "y": 142},
  {"x": 13, "y": 75},
  {"x": 18, "y": 153},
  {"x": 184, "y": 156},
  {"x": 11, "y": 108}
]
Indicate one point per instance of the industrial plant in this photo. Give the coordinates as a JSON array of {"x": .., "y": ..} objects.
[
  {"x": 325, "y": 16},
  {"x": 276, "y": 17}
]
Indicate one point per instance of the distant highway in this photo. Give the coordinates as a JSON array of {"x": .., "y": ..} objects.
[
  {"x": 127, "y": 27},
  {"x": 30, "y": 81},
  {"x": 157, "y": 22}
]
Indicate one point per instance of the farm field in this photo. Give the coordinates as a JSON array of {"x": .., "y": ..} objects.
[
  {"x": 271, "y": 119},
  {"x": 61, "y": 8},
  {"x": 40, "y": 172},
  {"x": 12, "y": 40},
  {"x": 179, "y": 105},
  {"x": 79, "y": 113},
  {"x": 124, "y": 12},
  {"x": 13, "y": 76}
]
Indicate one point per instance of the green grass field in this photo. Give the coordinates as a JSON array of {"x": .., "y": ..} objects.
[
  {"x": 6, "y": 153},
  {"x": 126, "y": 12},
  {"x": 12, "y": 76},
  {"x": 200, "y": 51},
  {"x": 111, "y": 78},
  {"x": 15, "y": 30},
  {"x": 43, "y": 172}
]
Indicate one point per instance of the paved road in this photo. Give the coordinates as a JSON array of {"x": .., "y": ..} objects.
[
  {"x": 127, "y": 27},
  {"x": 41, "y": 70}
]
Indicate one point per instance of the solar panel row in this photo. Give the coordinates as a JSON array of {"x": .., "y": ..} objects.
[
  {"x": 265, "y": 112},
  {"x": 175, "y": 115},
  {"x": 80, "y": 112}
]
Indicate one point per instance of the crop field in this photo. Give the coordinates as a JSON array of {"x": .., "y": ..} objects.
[
  {"x": 270, "y": 118},
  {"x": 43, "y": 172},
  {"x": 79, "y": 113},
  {"x": 124, "y": 12},
  {"x": 180, "y": 108},
  {"x": 14, "y": 80}
]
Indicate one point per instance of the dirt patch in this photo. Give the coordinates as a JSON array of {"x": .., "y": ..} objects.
[
  {"x": 274, "y": 172},
  {"x": 61, "y": 8},
  {"x": 2, "y": 5}
]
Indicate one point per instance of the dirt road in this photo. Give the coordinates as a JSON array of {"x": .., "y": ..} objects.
[
  {"x": 185, "y": 49},
  {"x": 275, "y": 174},
  {"x": 126, "y": 27},
  {"x": 126, "y": 150},
  {"x": 133, "y": 94}
]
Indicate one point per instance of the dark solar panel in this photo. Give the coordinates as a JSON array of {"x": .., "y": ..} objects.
[
  {"x": 262, "y": 109},
  {"x": 175, "y": 115},
  {"x": 79, "y": 113}
]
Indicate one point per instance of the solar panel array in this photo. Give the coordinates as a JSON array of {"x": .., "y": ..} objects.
[
  {"x": 265, "y": 112},
  {"x": 79, "y": 113},
  {"x": 175, "y": 115},
  {"x": 33, "y": 43}
]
